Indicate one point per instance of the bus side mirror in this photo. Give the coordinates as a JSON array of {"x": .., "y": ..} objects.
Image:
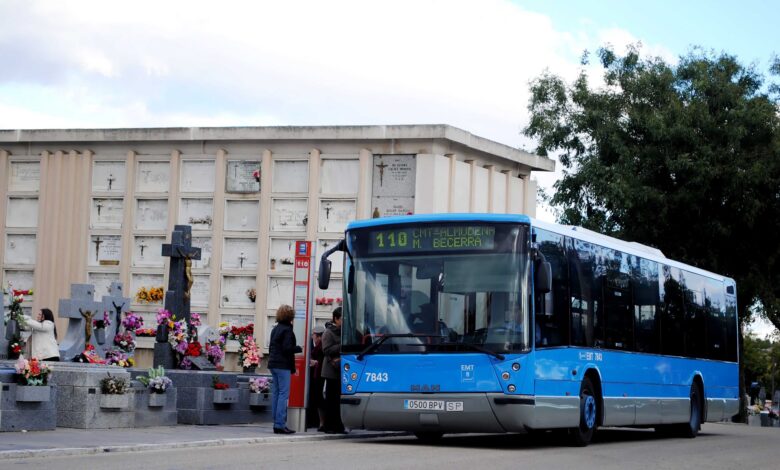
[
  {"x": 323, "y": 277},
  {"x": 543, "y": 277}
]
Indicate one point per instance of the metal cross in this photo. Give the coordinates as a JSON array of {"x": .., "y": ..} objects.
[
  {"x": 142, "y": 245},
  {"x": 241, "y": 259},
  {"x": 99, "y": 205},
  {"x": 97, "y": 243},
  {"x": 327, "y": 211},
  {"x": 111, "y": 180},
  {"x": 382, "y": 165}
]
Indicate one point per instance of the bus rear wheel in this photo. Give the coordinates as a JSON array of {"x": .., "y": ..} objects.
[
  {"x": 583, "y": 434},
  {"x": 692, "y": 427},
  {"x": 429, "y": 437}
]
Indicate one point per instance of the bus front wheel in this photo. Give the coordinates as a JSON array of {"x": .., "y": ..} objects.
[
  {"x": 692, "y": 427},
  {"x": 583, "y": 434}
]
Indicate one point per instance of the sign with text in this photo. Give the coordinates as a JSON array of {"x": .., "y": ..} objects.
[
  {"x": 445, "y": 238},
  {"x": 301, "y": 304}
]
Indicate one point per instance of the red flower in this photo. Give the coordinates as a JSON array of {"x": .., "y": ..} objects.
[
  {"x": 221, "y": 386},
  {"x": 193, "y": 349},
  {"x": 17, "y": 349}
]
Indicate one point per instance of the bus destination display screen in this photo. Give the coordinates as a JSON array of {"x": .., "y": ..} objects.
[{"x": 435, "y": 238}]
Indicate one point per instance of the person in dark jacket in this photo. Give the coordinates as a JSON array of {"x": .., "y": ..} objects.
[
  {"x": 331, "y": 372},
  {"x": 281, "y": 362},
  {"x": 315, "y": 414}
]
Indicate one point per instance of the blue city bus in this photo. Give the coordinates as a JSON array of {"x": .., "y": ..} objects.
[{"x": 488, "y": 323}]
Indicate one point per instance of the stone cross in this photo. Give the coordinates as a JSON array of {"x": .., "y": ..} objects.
[
  {"x": 181, "y": 252},
  {"x": 81, "y": 300},
  {"x": 115, "y": 304}
]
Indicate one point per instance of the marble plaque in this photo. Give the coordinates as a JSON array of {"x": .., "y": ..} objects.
[
  {"x": 289, "y": 215},
  {"x": 197, "y": 176},
  {"x": 105, "y": 250},
  {"x": 328, "y": 299},
  {"x": 242, "y": 216},
  {"x": 204, "y": 243},
  {"x": 200, "y": 291},
  {"x": 20, "y": 280},
  {"x": 25, "y": 176},
  {"x": 282, "y": 255},
  {"x": 20, "y": 249},
  {"x": 336, "y": 259},
  {"x": 145, "y": 280},
  {"x": 234, "y": 291},
  {"x": 147, "y": 252},
  {"x": 240, "y": 253},
  {"x": 394, "y": 175},
  {"x": 106, "y": 213},
  {"x": 339, "y": 176},
  {"x": 109, "y": 176},
  {"x": 102, "y": 283},
  {"x": 196, "y": 212},
  {"x": 242, "y": 176},
  {"x": 153, "y": 177},
  {"x": 335, "y": 214},
  {"x": 390, "y": 206},
  {"x": 151, "y": 214},
  {"x": 280, "y": 291},
  {"x": 22, "y": 212},
  {"x": 291, "y": 176}
]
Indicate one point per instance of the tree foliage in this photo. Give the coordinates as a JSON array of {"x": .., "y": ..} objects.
[{"x": 684, "y": 157}]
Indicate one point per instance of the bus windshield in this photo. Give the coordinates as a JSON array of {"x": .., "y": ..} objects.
[{"x": 437, "y": 288}]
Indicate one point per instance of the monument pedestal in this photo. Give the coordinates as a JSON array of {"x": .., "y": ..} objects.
[{"x": 164, "y": 356}]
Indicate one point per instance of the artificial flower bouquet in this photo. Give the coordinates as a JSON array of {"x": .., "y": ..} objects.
[
  {"x": 132, "y": 322},
  {"x": 248, "y": 353},
  {"x": 219, "y": 385},
  {"x": 114, "y": 385},
  {"x": 104, "y": 323},
  {"x": 260, "y": 384},
  {"x": 156, "y": 380},
  {"x": 116, "y": 357},
  {"x": 151, "y": 295},
  {"x": 125, "y": 341},
  {"x": 32, "y": 371}
]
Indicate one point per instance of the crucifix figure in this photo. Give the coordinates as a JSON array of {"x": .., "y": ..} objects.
[
  {"x": 88, "y": 325},
  {"x": 142, "y": 245},
  {"x": 382, "y": 165},
  {"x": 78, "y": 309},
  {"x": 97, "y": 243},
  {"x": 241, "y": 259},
  {"x": 99, "y": 205},
  {"x": 327, "y": 211},
  {"x": 111, "y": 180}
]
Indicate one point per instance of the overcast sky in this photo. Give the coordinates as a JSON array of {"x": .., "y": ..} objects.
[{"x": 230, "y": 63}]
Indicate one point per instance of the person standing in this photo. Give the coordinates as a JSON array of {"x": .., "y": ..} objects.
[
  {"x": 315, "y": 414},
  {"x": 331, "y": 372},
  {"x": 281, "y": 363},
  {"x": 44, "y": 336}
]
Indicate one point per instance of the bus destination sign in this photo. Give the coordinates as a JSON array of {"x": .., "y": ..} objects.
[{"x": 438, "y": 238}]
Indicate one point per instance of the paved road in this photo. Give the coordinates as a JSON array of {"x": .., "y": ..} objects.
[{"x": 720, "y": 446}]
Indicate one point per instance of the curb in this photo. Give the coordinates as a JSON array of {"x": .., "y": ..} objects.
[{"x": 238, "y": 441}]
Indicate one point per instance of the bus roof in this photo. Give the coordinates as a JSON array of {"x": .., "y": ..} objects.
[{"x": 423, "y": 218}]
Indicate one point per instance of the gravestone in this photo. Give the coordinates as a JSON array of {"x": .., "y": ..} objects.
[
  {"x": 116, "y": 305},
  {"x": 81, "y": 307},
  {"x": 180, "y": 280}
]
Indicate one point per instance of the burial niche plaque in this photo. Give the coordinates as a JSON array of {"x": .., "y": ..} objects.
[
  {"x": 240, "y": 253},
  {"x": 280, "y": 291},
  {"x": 20, "y": 249},
  {"x": 289, "y": 215},
  {"x": 25, "y": 176},
  {"x": 102, "y": 283},
  {"x": 205, "y": 252},
  {"x": 339, "y": 176},
  {"x": 197, "y": 176},
  {"x": 235, "y": 291},
  {"x": 282, "y": 255},
  {"x": 146, "y": 252},
  {"x": 243, "y": 216},
  {"x": 197, "y": 213},
  {"x": 242, "y": 176},
  {"x": 335, "y": 214},
  {"x": 22, "y": 212},
  {"x": 109, "y": 177},
  {"x": 107, "y": 213},
  {"x": 20, "y": 280},
  {"x": 151, "y": 214},
  {"x": 153, "y": 177},
  {"x": 291, "y": 176},
  {"x": 200, "y": 291},
  {"x": 105, "y": 250},
  {"x": 393, "y": 185}
]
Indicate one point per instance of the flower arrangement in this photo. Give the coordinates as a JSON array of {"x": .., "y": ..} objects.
[
  {"x": 15, "y": 347},
  {"x": 248, "y": 353},
  {"x": 116, "y": 357},
  {"x": 152, "y": 295},
  {"x": 256, "y": 175},
  {"x": 164, "y": 316},
  {"x": 114, "y": 385},
  {"x": 156, "y": 380},
  {"x": 90, "y": 356},
  {"x": 237, "y": 332},
  {"x": 177, "y": 336},
  {"x": 104, "y": 323},
  {"x": 224, "y": 329},
  {"x": 32, "y": 372},
  {"x": 219, "y": 385},
  {"x": 145, "y": 332},
  {"x": 125, "y": 341},
  {"x": 15, "y": 312},
  {"x": 327, "y": 300},
  {"x": 215, "y": 350},
  {"x": 132, "y": 322},
  {"x": 252, "y": 294},
  {"x": 195, "y": 319},
  {"x": 260, "y": 384},
  {"x": 193, "y": 349}
]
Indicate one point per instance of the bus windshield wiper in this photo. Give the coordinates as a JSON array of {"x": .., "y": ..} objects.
[
  {"x": 374, "y": 346},
  {"x": 474, "y": 347}
]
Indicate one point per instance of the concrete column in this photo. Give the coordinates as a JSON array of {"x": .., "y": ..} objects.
[
  {"x": 313, "y": 210},
  {"x": 364, "y": 195},
  {"x": 217, "y": 229},
  {"x": 263, "y": 246},
  {"x": 491, "y": 175},
  {"x": 4, "y": 167},
  {"x": 173, "y": 210},
  {"x": 127, "y": 225},
  {"x": 451, "y": 185},
  {"x": 472, "y": 184}
]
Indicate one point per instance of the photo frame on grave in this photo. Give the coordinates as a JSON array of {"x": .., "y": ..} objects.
[
  {"x": 242, "y": 216},
  {"x": 19, "y": 279},
  {"x": 335, "y": 214},
  {"x": 243, "y": 176},
  {"x": 201, "y": 285},
  {"x": 22, "y": 212},
  {"x": 240, "y": 253},
  {"x": 106, "y": 213},
  {"x": 197, "y": 176},
  {"x": 197, "y": 212},
  {"x": 289, "y": 215},
  {"x": 339, "y": 176},
  {"x": 153, "y": 177},
  {"x": 280, "y": 291},
  {"x": 102, "y": 282},
  {"x": 151, "y": 214},
  {"x": 24, "y": 176},
  {"x": 204, "y": 243},
  {"x": 20, "y": 249},
  {"x": 281, "y": 255},
  {"x": 233, "y": 292},
  {"x": 147, "y": 251},
  {"x": 290, "y": 176},
  {"x": 109, "y": 176},
  {"x": 104, "y": 250}
]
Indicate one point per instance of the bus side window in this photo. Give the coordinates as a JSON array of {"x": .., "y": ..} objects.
[
  {"x": 671, "y": 293},
  {"x": 552, "y": 308},
  {"x": 695, "y": 315},
  {"x": 647, "y": 328},
  {"x": 715, "y": 302},
  {"x": 587, "y": 324}
]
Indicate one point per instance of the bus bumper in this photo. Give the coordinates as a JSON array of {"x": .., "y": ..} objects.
[{"x": 479, "y": 412}]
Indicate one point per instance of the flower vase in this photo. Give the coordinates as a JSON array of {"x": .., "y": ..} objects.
[
  {"x": 250, "y": 369},
  {"x": 162, "y": 333},
  {"x": 157, "y": 400},
  {"x": 258, "y": 399},
  {"x": 100, "y": 335},
  {"x": 11, "y": 330}
]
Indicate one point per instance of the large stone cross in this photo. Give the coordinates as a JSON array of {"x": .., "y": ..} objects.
[
  {"x": 115, "y": 304},
  {"x": 81, "y": 307},
  {"x": 181, "y": 252}
]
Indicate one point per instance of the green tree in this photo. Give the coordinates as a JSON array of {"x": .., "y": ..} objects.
[{"x": 684, "y": 157}]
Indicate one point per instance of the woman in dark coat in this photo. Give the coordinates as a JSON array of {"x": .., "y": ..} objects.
[{"x": 281, "y": 363}]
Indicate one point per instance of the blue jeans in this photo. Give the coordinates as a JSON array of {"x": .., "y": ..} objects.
[{"x": 280, "y": 392}]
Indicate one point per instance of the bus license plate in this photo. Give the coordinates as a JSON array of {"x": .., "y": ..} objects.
[{"x": 433, "y": 405}]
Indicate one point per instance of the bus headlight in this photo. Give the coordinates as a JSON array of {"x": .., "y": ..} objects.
[{"x": 511, "y": 388}]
